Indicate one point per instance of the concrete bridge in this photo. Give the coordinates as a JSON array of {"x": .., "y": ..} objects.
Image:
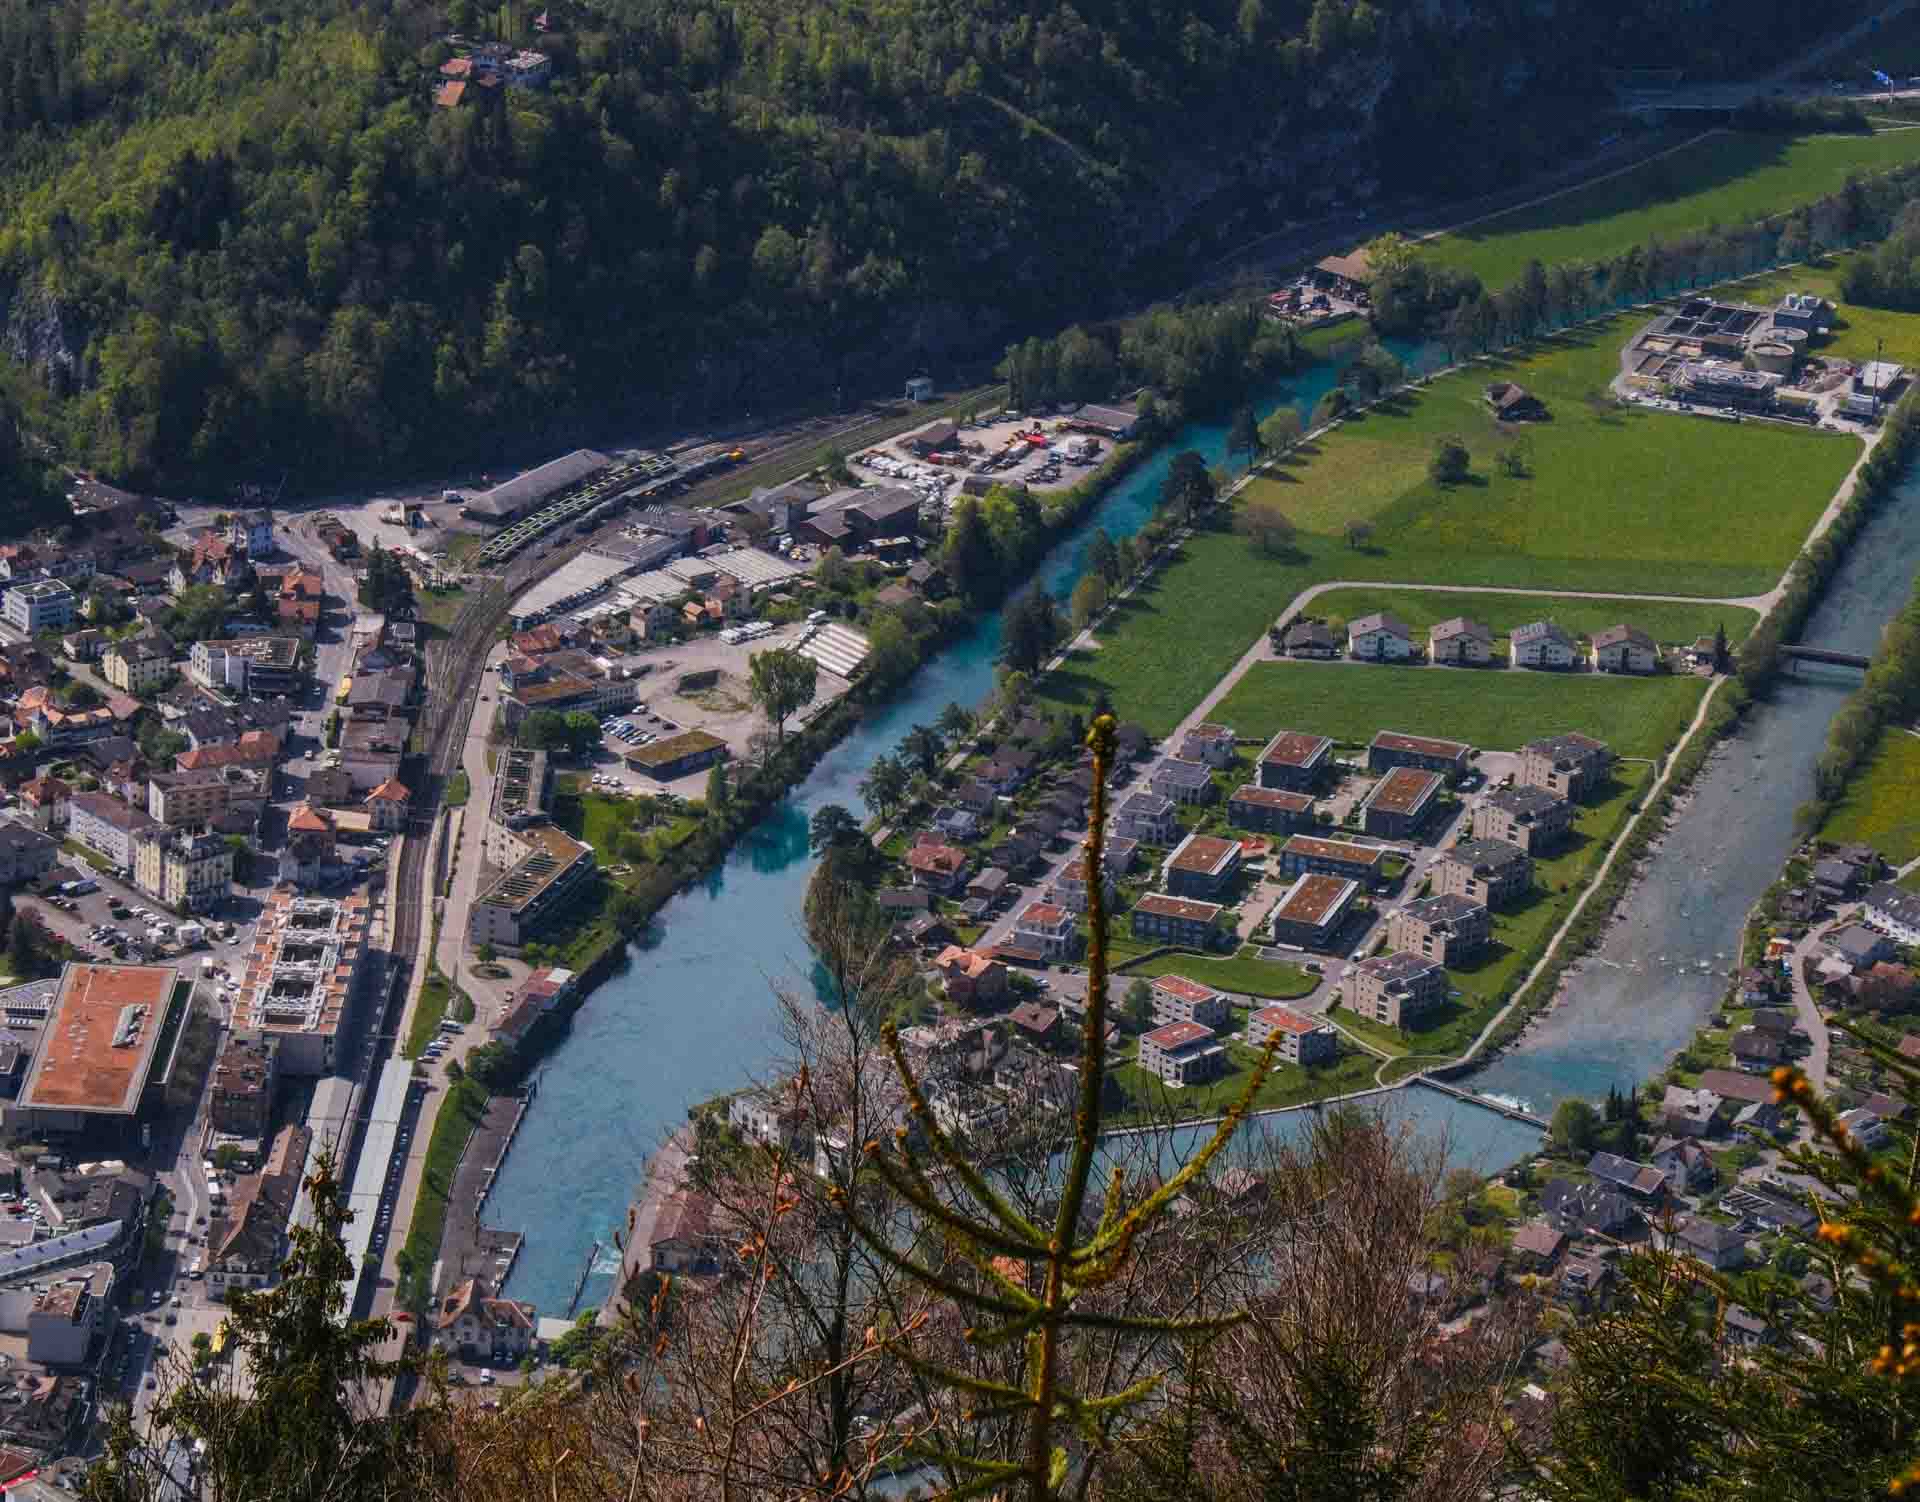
[
  {"x": 1512, "y": 1113},
  {"x": 1821, "y": 654}
]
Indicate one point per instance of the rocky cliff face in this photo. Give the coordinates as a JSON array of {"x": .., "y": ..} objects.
[{"x": 44, "y": 335}]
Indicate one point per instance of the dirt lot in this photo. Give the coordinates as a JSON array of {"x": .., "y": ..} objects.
[{"x": 724, "y": 709}]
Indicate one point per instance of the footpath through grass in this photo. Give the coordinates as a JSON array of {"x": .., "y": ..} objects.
[
  {"x": 1881, "y": 806},
  {"x": 1729, "y": 178},
  {"x": 1422, "y": 609},
  {"x": 1244, "y": 973},
  {"x": 1492, "y": 708}
]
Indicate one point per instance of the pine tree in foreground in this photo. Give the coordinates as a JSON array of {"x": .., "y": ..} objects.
[{"x": 1012, "y": 1252}]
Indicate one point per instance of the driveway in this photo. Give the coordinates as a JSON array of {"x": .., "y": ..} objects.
[{"x": 1814, "y": 1065}]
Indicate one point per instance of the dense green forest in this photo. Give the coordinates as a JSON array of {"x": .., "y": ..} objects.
[{"x": 241, "y": 237}]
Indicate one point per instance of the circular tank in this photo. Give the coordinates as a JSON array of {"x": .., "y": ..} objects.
[
  {"x": 1779, "y": 335},
  {"x": 1772, "y": 357}
]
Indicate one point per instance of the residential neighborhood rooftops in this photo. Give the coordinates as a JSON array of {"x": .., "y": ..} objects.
[
  {"x": 1184, "y": 989},
  {"x": 1566, "y": 749},
  {"x": 1293, "y": 803},
  {"x": 1486, "y": 855},
  {"x": 1176, "y": 1035},
  {"x": 1181, "y": 772},
  {"x": 1399, "y": 967},
  {"x": 1460, "y": 625},
  {"x": 1541, "y": 631},
  {"x": 1309, "y": 847},
  {"x": 1404, "y": 790},
  {"x": 1203, "y": 853},
  {"x": 1615, "y": 635},
  {"x": 1380, "y": 620},
  {"x": 1524, "y": 802},
  {"x": 1444, "y": 907},
  {"x": 1286, "y": 1020},
  {"x": 1423, "y": 745},
  {"x": 1295, "y": 748},
  {"x": 1161, "y": 905},
  {"x": 1313, "y": 899},
  {"x": 1043, "y": 915}
]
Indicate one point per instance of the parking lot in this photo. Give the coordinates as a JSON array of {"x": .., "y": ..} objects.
[{"x": 667, "y": 706}]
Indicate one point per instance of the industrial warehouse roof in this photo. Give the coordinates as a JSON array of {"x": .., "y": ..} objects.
[
  {"x": 575, "y": 579},
  {"x": 513, "y": 496},
  {"x": 98, "y": 1045}
]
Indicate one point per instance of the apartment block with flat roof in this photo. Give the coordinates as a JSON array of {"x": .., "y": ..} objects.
[
  {"x": 1303, "y": 1040},
  {"x": 1395, "y": 989}
]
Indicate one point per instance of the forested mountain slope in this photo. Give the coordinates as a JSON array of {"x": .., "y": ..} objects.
[{"x": 241, "y": 236}]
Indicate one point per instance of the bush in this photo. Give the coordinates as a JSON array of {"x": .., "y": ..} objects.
[{"x": 1451, "y": 462}]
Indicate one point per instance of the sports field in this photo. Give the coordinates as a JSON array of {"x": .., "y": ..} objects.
[
  {"x": 1881, "y": 806},
  {"x": 1420, "y": 609},
  {"x": 1727, "y": 178},
  {"x": 1493, "y": 708}
]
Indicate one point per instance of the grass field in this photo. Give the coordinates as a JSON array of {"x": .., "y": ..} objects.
[
  {"x": 1726, "y": 179},
  {"x": 1245, "y": 973},
  {"x": 1422, "y": 609},
  {"x": 1614, "y": 499},
  {"x": 1497, "y": 709},
  {"x": 1881, "y": 806}
]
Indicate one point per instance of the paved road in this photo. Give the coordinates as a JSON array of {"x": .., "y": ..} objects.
[{"x": 1814, "y": 1065}]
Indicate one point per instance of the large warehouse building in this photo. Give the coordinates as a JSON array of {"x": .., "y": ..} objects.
[
  {"x": 516, "y": 497},
  {"x": 99, "y": 1049}
]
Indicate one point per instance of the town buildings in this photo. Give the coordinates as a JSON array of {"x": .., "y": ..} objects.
[
  {"x": 1530, "y": 817},
  {"x": 1542, "y": 644},
  {"x": 136, "y": 664},
  {"x": 106, "y": 826},
  {"x": 1311, "y": 911},
  {"x": 529, "y": 895},
  {"x": 301, "y": 975},
  {"x": 1182, "y": 1053},
  {"x": 1270, "y": 810},
  {"x": 1571, "y": 765},
  {"x": 1489, "y": 872},
  {"x": 1380, "y": 637},
  {"x": 247, "y": 1240},
  {"x": 1400, "y": 803},
  {"x": 1395, "y": 989},
  {"x": 1295, "y": 761},
  {"x": 1304, "y": 852},
  {"x": 95, "y": 1057},
  {"x": 1177, "y": 999},
  {"x": 189, "y": 873},
  {"x": 240, "y": 1102},
  {"x": 1392, "y": 748},
  {"x": 1625, "y": 649},
  {"x": 1460, "y": 642},
  {"x": 1177, "y": 920},
  {"x": 1445, "y": 928},
  {"x": 1181, "y": 781},
  {"x": 1303, "y": 1040},
  {"x": 1202, "y": 866},
  {"x": 1148, "y": 818},
  {"x": 38, "y": 605}
]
